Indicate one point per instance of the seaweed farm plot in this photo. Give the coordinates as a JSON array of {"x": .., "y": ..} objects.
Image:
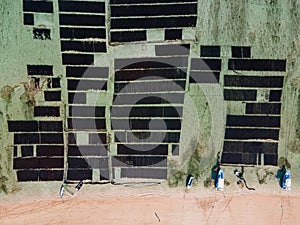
[
  {"x": 147, "y": 112},
  {"x": 251, "y": 137},
  {"x": 39, "y": 143},
  {"x": 132, "y": 21}
]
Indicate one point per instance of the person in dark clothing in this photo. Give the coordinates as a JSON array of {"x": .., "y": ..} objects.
[
  {"x": 214, "y": 173},
  {"x": 239, "y": 175},
  {"x": 280, "y": 175}
]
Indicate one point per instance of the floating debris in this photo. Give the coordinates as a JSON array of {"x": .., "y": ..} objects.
[{"x": 157, "y": 216}]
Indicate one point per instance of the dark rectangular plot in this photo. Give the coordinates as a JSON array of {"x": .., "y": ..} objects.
[
  {"x": 120, "y": 136},
  {"x": 87, "y": 111},
  {"x": 257, "y": 64},
  {"x": 148, "y": 86},
  {"x": 27, "y": 151},
  {"x": 21, "y": 126},
  {"x": 240, "y": 95},
  {"x": 253, "y": 81},
  {"x": 204, "y": 77},
  {"x": 164, "y": 22},
  {"x": 138, "y": 99},
  {"x": 50, "y": 150},
  {"x": 87, "y": 72},
  {"x": 173, "y": 34},
  {"x": 233, "y": 147},
  {"x": 144, "y": 173},
  {"x": 82, "y": 33},
  {"x": 150, "y": 74},
  {"x": 37, "y": 6},
  {"x": 84, "y": 85},
  {"x": 83, "y": 46},
  {"x": 153, "y": 10},
  {"x": 85, "y": 174},
  {"x": 143, "y": 124},
  {"x": 98, "y": 163},
  {"x": 263, "y": 108},
  {"x": 88, "y": 163},
  {"x": 231, "y": 158},
  {"x": 55, "y": 82},
  {"x": 167, "y": 50},
  {"x": 71, "y": 138},
  {"x": 148, "y": 136},
  {"x": 51, "y": 175},
  {"x": 76, "y": 98},
  {"x": 271, "y": 159},
  {"x": 77, "y": 59},
  {"x": 47, "y": 111},
  {"x": 50, "y": 126},
  {"x": 253, "y": 147},
  {"x": 26, "y": 138},
  {"x": 27, "y": 175},
  {"x": 249, "y": 159},
  {"x": 28, "y": 19},
  {"x": 52, "y": 96},
  {"x": 81, "y": 20},
  {"x": 15, "y": 151},
  {"x": 87, "y": 150},
  {"x": 42, "y": 70},
  {"x": 128, "y": 36},
  {"x": 86, "y": 124},
  {"x": 147, "y": 1},
  {"x": 210, "y": 51},
  {"x": 82, "y": 6},
  {"x": 270, "y": 148},
  {"x": 26, "y": 163},
  {"x": 149, "y": 161},
  {"x": 104, "y": 174},
  {"x": 145, "y": 111},
  {"x": 97, "y": 138},
  {"x": 239, "y": 133},
  {"x": 172, "y": 137},
  {"x": 275, "y": 95},
  {"x": 78, "y": 163},
  {"x": 52, "y": 138},
  {"x": 206, "y": 64},
  {"x": 151, "y": 62},
  {"x": 253, "y": 121},
  {"x": 260, "y": 147},
  {"x": 240, "y": 52},
  {"x": 175, "y": 149},
  {"x": 136, "y": 149}
]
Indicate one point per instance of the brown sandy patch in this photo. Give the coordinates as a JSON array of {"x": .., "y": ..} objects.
[{"x": 222, "y": 209}]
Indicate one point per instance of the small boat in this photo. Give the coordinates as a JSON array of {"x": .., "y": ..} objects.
[
  {"x": 190, "y": 181},
  {"x": 62, "y": 190},
  {"x": 220, "y": 181},
  {"x": 79, "y": 185},
  {"x": 287, "y": 182}
]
